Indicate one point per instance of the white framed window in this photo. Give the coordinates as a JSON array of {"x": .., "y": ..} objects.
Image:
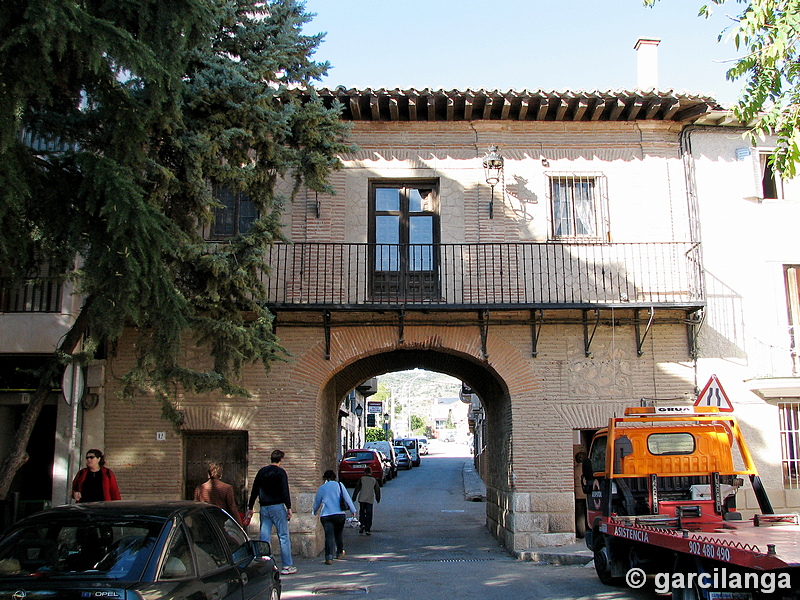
[
  {"x": 578, "y": 204},
  {"x": 790, "y": 443}
]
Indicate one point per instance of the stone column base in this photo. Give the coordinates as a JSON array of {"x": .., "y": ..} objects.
[{"x": 523, "y": 520}]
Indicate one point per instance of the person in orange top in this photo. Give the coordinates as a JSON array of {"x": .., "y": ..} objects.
[
  {"x": 95, "y": 482},
  {"x": 217, "y": 492}
]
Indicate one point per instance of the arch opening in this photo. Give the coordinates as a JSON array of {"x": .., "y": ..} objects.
[
  {"x": 495, "y": 461},
  {"x": 495, "y": 465}
]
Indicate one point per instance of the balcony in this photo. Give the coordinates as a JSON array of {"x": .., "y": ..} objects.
[
  {"x": 36, "y": 295},
  {"x": 492, "y": 275}
]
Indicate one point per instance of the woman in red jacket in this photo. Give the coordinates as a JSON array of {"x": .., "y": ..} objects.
[{"x": 94, "y": 482}]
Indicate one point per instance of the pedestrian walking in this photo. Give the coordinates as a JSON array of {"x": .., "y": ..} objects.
[
  {"x": 215, "y": 491},
  {"x": 332, "y": 502},
  {"x": 271, "y": 487},
  {"x": 95, "y": 482},
  {"x": 368, "y": 491}
]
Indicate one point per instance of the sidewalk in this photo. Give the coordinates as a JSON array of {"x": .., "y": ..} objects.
[
  {"x": 572, "y": 554},
  {"x": 474, "y": 488}
]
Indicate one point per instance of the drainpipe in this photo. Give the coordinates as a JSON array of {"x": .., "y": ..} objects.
[{"x": 691, "y": 186}]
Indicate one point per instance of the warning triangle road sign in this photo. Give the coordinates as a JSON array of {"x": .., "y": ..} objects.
[{"x": 714, "y": 395}]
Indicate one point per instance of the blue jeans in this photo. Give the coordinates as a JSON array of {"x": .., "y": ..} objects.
[
  {"x": 333, "y": 525},
  {"x": 275, "y": 514}
]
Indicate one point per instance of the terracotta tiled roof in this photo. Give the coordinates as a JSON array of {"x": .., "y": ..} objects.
[{"x": 513, "y": 105}]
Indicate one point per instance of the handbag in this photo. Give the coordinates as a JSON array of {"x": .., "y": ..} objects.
[{"x": 342, "y": 502}]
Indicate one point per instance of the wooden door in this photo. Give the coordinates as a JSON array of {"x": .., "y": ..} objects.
[{"x": 227, "y": 448}]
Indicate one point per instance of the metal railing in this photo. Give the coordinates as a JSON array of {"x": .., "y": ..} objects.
[
  {"x": 40, "y": 294},
  {"x": 512, "y": 275}
]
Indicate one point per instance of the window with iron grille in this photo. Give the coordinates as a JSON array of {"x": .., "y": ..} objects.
[
  {"x": 790, "y": 443},
  {"x": 235, "y": 215},
  {"x": 578, "y": 205}
]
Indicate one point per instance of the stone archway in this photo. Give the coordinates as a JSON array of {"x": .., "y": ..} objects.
[
  {"x": 486, "y": 383},
  {"x": 359, "y": 353}
]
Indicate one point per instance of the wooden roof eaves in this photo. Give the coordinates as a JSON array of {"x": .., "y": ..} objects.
[
  {"x": 691, "y": 112},
  {"x": 541, "y": 114},
  {"x": 469, "y": 100},
  {"x": 597, "y": 110},
  {"x": 375, "y": 110},
  {"x": 523, "y": 109},
  {"x": 506, "y": 107},
  {"x": 561, "y": 107},
  {"x": 536, "y": 105},
  {"x": 582, "y": 105},
  {"x": 355, "y": 109},
  {"x": 635, "y": 107},
  {"x": 412, "y": 107}
]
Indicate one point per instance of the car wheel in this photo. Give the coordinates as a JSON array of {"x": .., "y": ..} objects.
[{"x": 274, "y": 594}]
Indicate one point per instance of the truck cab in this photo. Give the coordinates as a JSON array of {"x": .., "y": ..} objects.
[
  {"x": 663, "y": 470},
  {"x": 661, "y": 485}
]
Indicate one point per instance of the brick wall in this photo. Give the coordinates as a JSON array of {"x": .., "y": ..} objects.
[{"x": 532, "y": 404}]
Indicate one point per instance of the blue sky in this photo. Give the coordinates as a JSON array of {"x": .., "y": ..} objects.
[{"x": 519, "y": 44}]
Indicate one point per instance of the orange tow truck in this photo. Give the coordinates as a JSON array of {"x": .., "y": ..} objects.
[{"x": 661, "y": 486}]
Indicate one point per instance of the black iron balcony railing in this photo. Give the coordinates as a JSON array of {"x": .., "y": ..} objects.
[
  {"x": 40, "y": 294},
  {"x": 493, "y": 275}
]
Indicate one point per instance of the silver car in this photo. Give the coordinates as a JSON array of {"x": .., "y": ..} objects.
[{"x": 403, "y": 458}]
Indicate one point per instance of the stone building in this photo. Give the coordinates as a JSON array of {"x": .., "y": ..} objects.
[
  {"x": 543, "y": 247},
  {"x": 564, "y": 292}
]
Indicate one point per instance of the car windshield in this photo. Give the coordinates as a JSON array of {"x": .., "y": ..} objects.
[{"x": 101, "y": 549}]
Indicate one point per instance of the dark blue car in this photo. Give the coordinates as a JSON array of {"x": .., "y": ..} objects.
[{"x": 133, "y": 551}]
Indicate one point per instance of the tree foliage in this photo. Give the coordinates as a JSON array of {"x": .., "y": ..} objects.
[
  {"x": 115, "y": 119},
  {"x": 374, "y": 434},
  {"x": 418, "y": 425},
  {"x": 768, "y": 34}
]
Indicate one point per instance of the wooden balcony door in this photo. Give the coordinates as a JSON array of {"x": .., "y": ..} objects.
[{"x": 404, "y": 231}]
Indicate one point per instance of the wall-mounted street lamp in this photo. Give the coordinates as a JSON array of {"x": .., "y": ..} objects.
[
  {"x": 358, "y": 410},
  {"x": 493, "y": 171}
]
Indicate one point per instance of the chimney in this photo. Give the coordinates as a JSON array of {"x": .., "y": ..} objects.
[{"x": 647, "y": 63}]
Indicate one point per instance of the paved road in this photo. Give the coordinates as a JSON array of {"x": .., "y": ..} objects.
[{"x": 428, "y": 543}]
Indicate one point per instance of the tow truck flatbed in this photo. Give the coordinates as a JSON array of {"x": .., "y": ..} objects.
[{"x": 739, "y": 543}]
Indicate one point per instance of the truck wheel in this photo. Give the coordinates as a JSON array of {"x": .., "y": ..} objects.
[
  {"x": 693, "y": 593},
  {"x": 580, "y": 518},
  {"x": 602, "y": 563}
]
